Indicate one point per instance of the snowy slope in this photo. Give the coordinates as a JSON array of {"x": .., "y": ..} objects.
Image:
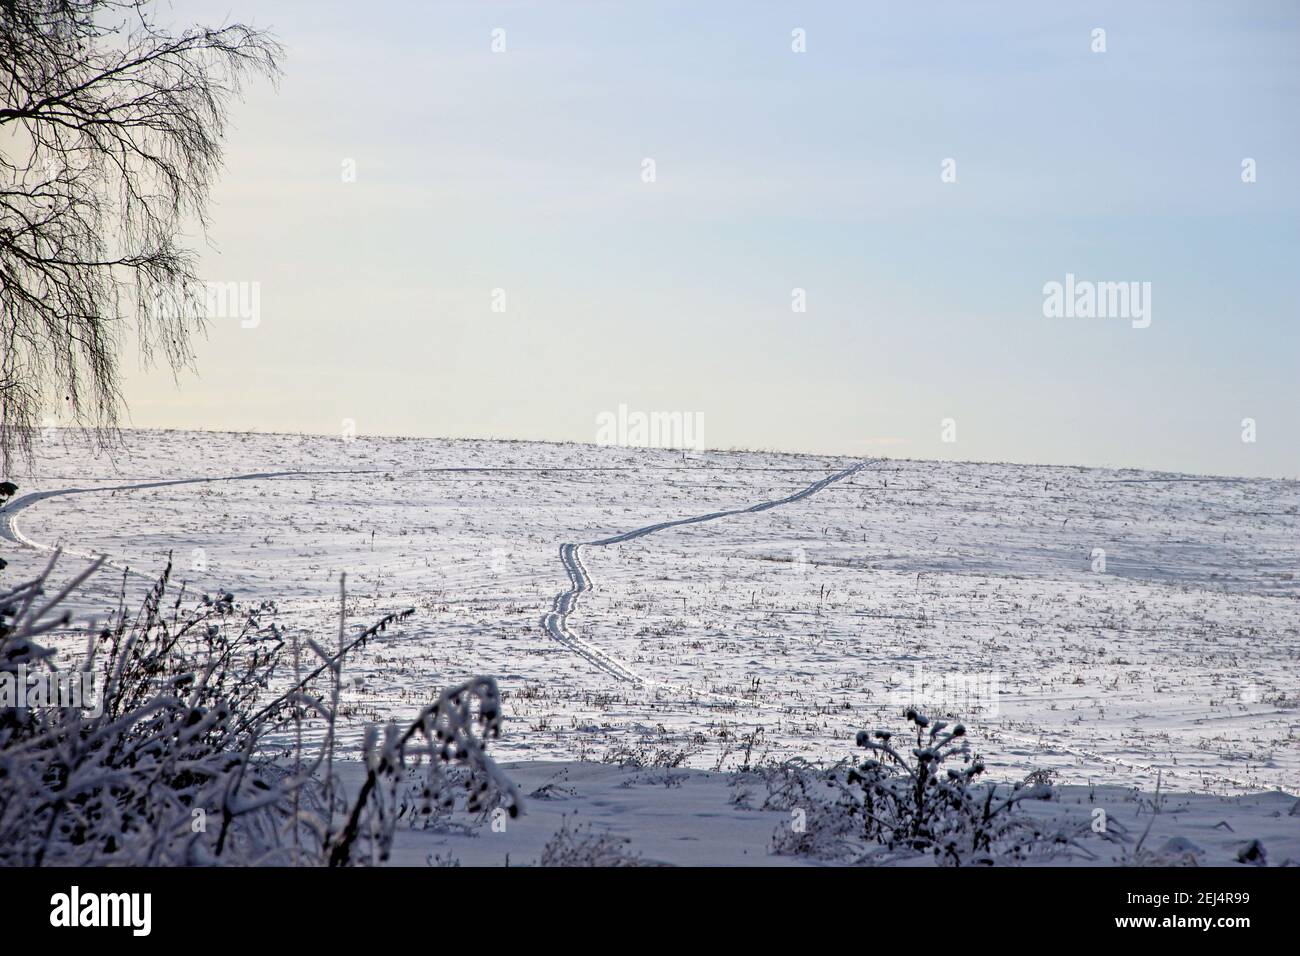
[{"x": 783, "y": 630}]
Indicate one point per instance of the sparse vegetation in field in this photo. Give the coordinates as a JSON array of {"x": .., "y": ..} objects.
[
  {"x": 170, "y": 764},
  {"x": 580, "y": 845}
]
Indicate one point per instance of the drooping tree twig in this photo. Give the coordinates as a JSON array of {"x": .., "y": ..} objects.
[{"x": 111, "y": 129}]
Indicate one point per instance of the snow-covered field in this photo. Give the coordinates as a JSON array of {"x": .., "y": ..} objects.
[
  {"x": 698, "y": 818},
  {"x": 1110, "y": 626}
]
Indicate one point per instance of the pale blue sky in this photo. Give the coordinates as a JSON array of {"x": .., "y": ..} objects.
[{"x": 522, "y": 170}]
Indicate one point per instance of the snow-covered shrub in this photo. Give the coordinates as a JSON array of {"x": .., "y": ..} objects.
[
  {"x": 824, "y": 821},
  {"x": 910, "y": 797},
  {"x": 173, "y": 767},
  {"x": 581, "y": 846},
  {"x": 919, "y": 804},
  {"x": 450, "y": 733}
]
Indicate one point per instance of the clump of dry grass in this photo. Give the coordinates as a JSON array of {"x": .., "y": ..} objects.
[{"x": 582, "y": 846}]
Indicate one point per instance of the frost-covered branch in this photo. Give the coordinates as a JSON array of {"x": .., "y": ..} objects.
[{"x": 168, "y": 764}]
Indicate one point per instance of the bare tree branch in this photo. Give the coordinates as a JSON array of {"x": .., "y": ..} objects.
[{"x": 110, "y": 138}]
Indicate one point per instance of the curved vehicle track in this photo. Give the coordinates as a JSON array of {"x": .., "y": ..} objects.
[
  {"x": 555, "y": 622},
  {"x": 10, "y": 531}
]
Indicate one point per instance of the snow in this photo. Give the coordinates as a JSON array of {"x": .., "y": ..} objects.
[
  {"x": 685, "y": 817},
  {"x": 796, "y": 615}
]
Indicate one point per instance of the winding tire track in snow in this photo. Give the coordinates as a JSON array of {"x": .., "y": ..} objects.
[
  {"x": 10, "y": 531},
  {"x": 556, "y": 621}
]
